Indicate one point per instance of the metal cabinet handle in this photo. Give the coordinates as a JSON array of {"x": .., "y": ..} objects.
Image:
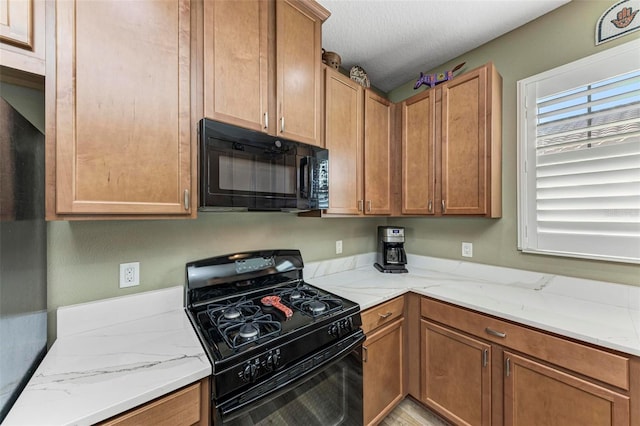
[
  {"x": 384, "y": 316},
  {"x": 365, "y": 354},
  {"x": 443, "y": 207},
  {"x": 266, "y": 120},
  {"x": 186, "y": 199},
  {"x": 507, "y": 366},
  {"x": 485, "y": 357},
  {"x": 495, "y": 333},
  {"x": 368, "y": 205},
  {"x": 430, "y": 207},
  {"x": 360, "y": 205},
  {"x": 281, "y": 124}
]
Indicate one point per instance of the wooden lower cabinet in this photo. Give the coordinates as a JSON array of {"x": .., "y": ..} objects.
[
  {"x": 382, "y": 371},
  {"x": 536, "y": 394},
  {"x": 481, "y": 370},
  {"x": 456, "y": 375},
  {"x": 184, "y": 407},
  {"x": 383, "y": 355}
]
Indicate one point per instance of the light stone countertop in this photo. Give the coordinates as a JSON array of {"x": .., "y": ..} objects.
[
  {"x": 601, "y": 313},
  {"x": 115, "y": 354},
  {"x": 111, "y": 356}
]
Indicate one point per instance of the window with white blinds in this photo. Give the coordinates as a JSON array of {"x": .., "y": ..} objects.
[{"x": 579, "y": 158}]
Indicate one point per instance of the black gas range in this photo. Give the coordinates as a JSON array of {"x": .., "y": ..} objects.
[{"x": 266, "y": 332}]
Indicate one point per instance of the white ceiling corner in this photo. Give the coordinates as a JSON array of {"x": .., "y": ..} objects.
[{"x": 394, "y": 40}]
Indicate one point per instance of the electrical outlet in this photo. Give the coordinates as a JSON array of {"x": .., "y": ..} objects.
[
  {"x": 129, "y": 274},
  {"x": 339, "y": 247},
  {"x": 467, "y": 249}
]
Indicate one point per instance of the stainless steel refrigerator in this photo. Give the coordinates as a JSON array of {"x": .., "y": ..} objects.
[{"x": 23, "y": 254}]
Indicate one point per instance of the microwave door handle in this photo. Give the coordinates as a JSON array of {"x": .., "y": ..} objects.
[
  {"x": 304, "y": 183},
  {"x": 311, "y": 167}
]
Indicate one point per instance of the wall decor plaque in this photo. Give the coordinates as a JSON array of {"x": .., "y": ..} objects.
[{"x": 620, "y": 19}]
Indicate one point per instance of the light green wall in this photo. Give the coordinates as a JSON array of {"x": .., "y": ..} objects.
[
  {"x": 84, "y": 256},
  {"x": 557, "y": 38},
  {"x": 28, "y": 102}
]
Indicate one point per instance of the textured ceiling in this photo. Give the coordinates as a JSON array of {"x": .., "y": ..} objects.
[{"x": 394, "y": 40}]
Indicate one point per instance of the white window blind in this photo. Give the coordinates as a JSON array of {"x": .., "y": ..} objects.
[{"x": 579, "y": 165}]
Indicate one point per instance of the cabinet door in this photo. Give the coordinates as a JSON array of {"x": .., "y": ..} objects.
[
  {"x": 456, "y": 375},
  {"x": 377, "y": 154},
  {"x": 464, "y": 143},
  {"x": 22, "y": 30},
  {"x": 343, "y": 139},
  {"x": 535, "y": 394},
  {"x": 16, "y": 23},
  {"x": 382, "y": 371},
  {"x": 185, "y": 407},
  {"x": 298, "y": 63},
  {"x": 235, "y": 62},
  {"x": 122, "y": 107},
  {"x": 418, "y": 159}
]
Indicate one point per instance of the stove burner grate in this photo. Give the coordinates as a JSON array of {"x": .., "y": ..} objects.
[
  {"x": 242, "y": 322},
  {"x": 300, "y": 292},
  {"x": 232, "y": 311},
  {"x": 316, "y": 306},
  {"x": 239, "y": 333}
]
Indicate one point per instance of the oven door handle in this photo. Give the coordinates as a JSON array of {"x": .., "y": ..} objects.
[{"x": 244, "y": 402}]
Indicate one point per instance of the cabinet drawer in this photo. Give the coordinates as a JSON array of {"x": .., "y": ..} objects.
[
  {"x": 598, "y": 364},
  {"x": 382, "y": 314},
  {"x": 180, "y": 408}
]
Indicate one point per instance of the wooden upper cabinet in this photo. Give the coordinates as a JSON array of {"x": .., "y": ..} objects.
[
  {"x": 299, "y": 66},
  {"x": 358, "y": 126},
  {"x": 377, "y": 154},
  {"x": 344, "y": 139},
  {"x": 22, "y": 30},
  {"x": 452, "y": 147},
  {"x": 471, "y": 143},
  {"x": 120, "y": 126},
  {"x": 262, "y": 66},
  {"x": 418, "y": 154},
  {"x": 236, "y": 62},
  {"x": 464, "y": 146}
]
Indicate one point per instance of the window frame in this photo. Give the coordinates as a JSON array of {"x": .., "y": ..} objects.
[{"x": 584, "y": 71}]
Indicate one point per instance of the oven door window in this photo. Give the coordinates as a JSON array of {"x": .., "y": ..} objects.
[{"x": 329, "y": 398}]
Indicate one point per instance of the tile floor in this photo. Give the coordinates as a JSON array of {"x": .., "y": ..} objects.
[{"x": 410, "y": 413}]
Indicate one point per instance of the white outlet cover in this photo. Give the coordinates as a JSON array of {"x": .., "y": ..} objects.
[
  {"x": 129, "y": 274},
  {"x": 467, "y": 249},
  {"x": 339, "y": 247}
]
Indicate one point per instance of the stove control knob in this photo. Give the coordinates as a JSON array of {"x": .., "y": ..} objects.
[
  {"x": 334, "y": 330},
  {"x": 348, "y": 324},
  {"x": 249, "y": 373},
  {"x": 273, "y": 359}
]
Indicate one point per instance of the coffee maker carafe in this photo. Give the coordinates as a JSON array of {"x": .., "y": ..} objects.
[{"x": 391, "y": 255}]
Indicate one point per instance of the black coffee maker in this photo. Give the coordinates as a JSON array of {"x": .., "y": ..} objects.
[{"x": 391, "y": 255}]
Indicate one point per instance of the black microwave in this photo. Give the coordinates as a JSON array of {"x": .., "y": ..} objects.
[{"x": 245, "y": 170}]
